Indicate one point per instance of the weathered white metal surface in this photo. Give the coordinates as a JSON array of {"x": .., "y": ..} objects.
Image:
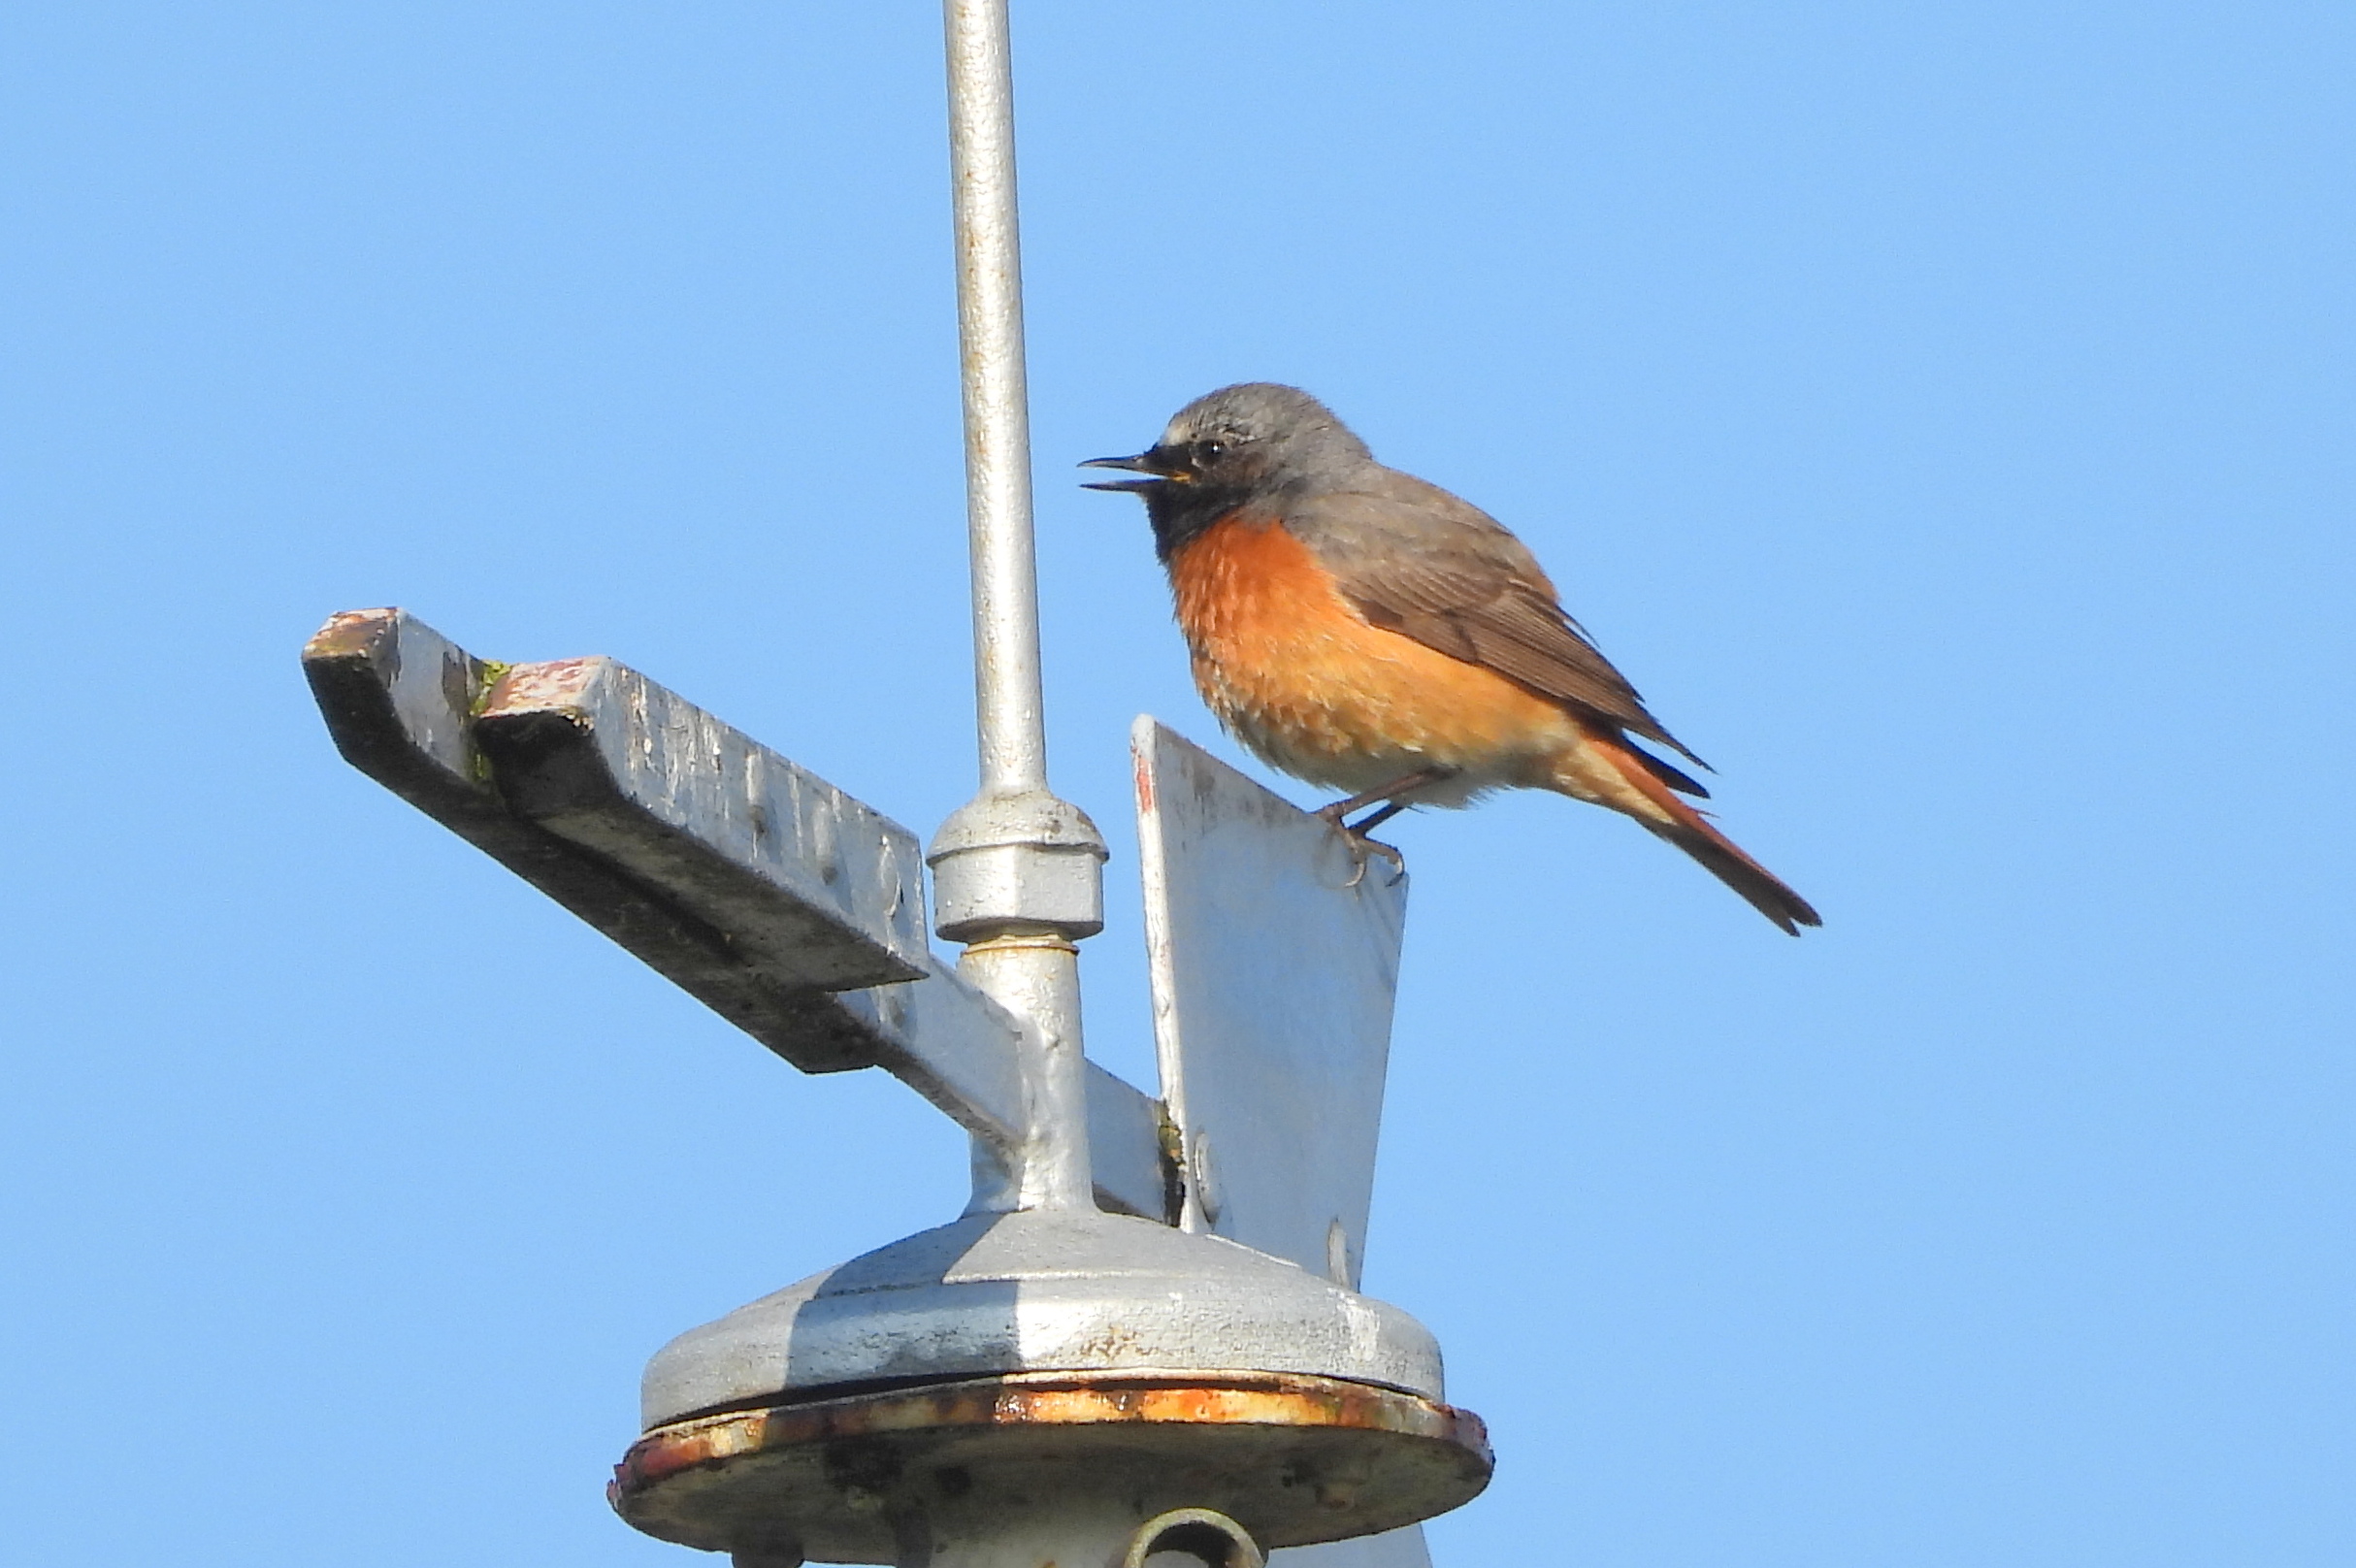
[
  {"x": 1017, "y": 863},
  {"x": 1018, "y": 874},
  {"x": 399, "y": 700},
  {"x": 1125, "y": 1135},
  {"x": 1047, "y": 1163},
  {"x": 816, "y": 888},
  {"x": 812, "y": 887},
  {"x": 707, "y": 857},
  {"x": 997, "y": 397},
  {"x": 1042, "y": 1291},
  {"x": 1273, "y": 951}
]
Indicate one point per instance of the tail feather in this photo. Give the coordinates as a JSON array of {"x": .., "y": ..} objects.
[
  {"x": 1765, "y": 891},
  {"x": 1673, "y": 820},
  {"x": 1677, "y": 778}
]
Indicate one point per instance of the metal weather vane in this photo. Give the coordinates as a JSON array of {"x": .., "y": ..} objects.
[{"x": 1143, "y": 1336}]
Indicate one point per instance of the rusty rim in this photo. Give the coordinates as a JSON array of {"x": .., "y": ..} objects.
[{"x": 1052, "y": 1399}]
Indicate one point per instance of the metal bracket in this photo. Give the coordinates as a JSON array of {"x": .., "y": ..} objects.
[{"x": 783, "y": 904}]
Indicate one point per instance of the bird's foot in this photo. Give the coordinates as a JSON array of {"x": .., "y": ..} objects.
[
  {"x": 1364, "y": 849},
  {"x": 1386, "y": 804}
]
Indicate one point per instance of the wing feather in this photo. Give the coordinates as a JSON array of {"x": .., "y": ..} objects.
[{"x": 1415, "y": 560}]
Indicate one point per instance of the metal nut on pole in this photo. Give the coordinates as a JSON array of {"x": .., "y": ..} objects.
[{"x": 1025, "y": 863}]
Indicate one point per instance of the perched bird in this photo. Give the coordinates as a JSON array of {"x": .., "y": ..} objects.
[{"x": 1367, "y": 632}]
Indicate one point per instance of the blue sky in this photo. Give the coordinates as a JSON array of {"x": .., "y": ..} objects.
[{"x": 1941, "y": 412}]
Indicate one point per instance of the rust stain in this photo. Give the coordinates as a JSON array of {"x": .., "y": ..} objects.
[
  {"x": 1049, "y": 1400},
  {"x": 555, "y": 683},
  {"x": 347, "y": 633}
]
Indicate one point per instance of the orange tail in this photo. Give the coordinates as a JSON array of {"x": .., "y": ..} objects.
[{"x": 1689, "y": 831}]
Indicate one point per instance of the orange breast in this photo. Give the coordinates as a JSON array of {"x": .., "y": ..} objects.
[{"x": 1301, "y": 677}]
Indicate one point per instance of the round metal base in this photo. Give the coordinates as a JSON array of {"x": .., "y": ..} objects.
[
  {"x": 1038, "y": 1290},
  {"x": 886, "y": 1477}
]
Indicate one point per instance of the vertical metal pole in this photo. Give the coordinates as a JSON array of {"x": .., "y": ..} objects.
[
  {"x": 998, "y": 399},
  {"x": 1017, "y": 873}
]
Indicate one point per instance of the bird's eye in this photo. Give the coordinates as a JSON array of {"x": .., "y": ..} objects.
[{"x": 1210, "y": 450}]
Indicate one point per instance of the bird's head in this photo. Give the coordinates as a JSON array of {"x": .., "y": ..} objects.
[{"x": 1240, "y": 446}]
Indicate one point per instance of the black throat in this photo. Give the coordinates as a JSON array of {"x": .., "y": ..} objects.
[{"x": 1180, "y": 512}]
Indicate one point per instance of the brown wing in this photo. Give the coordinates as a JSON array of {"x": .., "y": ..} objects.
[{"x": 1415, "y": 560}]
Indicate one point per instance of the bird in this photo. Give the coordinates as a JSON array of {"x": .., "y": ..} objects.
[{"x": 1368, "y": 631}]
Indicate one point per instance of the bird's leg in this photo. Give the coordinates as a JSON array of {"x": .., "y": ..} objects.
[
  {"x": 1388, "y": 806},
  {"x": 1380, "y": 794}
]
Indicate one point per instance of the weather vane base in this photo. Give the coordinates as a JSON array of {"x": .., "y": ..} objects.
[{"x": 909, "y": 1475}]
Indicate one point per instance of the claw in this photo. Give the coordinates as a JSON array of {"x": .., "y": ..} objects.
[{"x": 1364, "y": 849}]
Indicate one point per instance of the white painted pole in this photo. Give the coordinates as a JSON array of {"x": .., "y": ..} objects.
[
  {"x": 998, "y": 401},
  {"x": 1017, "y": 873}
]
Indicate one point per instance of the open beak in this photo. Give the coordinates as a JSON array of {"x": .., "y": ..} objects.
[{"x": 1155, "y": 465}]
